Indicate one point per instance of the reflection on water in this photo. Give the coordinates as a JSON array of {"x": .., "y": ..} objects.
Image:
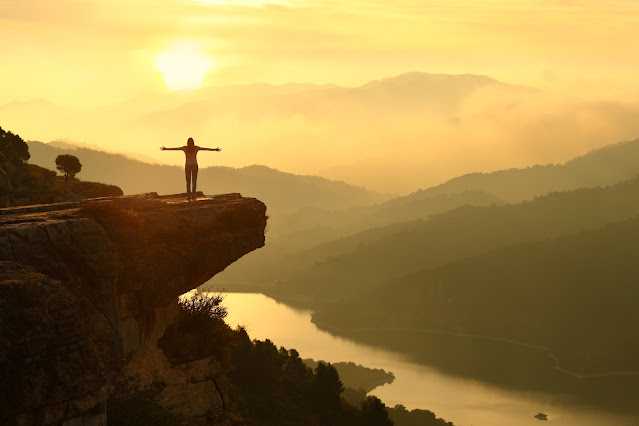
[{"x": 462, "y": 401}]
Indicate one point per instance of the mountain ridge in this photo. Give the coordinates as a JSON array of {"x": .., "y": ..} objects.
[
  {"x": 366, "y": 260},
  {"x": 270, "y": 185},
  {"x": 619, "y": 160}
]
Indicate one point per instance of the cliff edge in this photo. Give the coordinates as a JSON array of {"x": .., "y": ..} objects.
[{"x": 88, "y": 288}]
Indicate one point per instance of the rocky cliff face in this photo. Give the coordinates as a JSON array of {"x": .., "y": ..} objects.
[{"x": 87, "y": 289}]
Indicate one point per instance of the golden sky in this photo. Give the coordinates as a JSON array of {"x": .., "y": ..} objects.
[
  {"x": 93, "y": 52},
  {"x": 105, "y": 66}
]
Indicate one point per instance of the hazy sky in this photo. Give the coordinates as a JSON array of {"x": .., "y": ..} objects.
[
  {"x": 93, "y": 52},
  {"x": 85, "y": 54}
]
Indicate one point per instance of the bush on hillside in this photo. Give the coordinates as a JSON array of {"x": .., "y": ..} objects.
[{"x": 199, "y": 331}]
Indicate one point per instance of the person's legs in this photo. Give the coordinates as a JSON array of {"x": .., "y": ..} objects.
[
  {"x": 187, "y": 172},
  {"x": 194, "y": 171}
]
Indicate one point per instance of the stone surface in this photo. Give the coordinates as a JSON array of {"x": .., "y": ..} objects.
[{"x": 87, "y": 289}]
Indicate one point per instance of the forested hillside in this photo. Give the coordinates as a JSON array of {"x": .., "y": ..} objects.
[
  {"x": 361, "y": 262},
  {"x": 603, "y": 166},
  {"x": 571, "y": 299}
]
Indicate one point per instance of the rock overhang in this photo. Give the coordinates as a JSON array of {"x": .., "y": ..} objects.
[{"x": 119, "y": 264}]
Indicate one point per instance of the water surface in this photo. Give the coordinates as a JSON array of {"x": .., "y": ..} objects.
[{"x": 460, "y": 400}]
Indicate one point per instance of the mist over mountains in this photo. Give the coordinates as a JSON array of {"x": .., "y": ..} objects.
[
  {"x": 397, "y": 229},
  {"x": 393, "y": 135}
]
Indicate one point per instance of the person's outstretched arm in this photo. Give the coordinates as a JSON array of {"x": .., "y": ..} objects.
[
  {"x": 170, "y": 149},
  {"x": 211, "y": 149}
]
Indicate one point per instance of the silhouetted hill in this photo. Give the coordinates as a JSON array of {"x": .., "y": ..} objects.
[
  {"x": 282, "y": 192},
  {"x": 22, "y": 183},
  {"x": 293, "y": 234},
  {"x": 359, "y": 263},
  {"x": 45, "y": 187},
  {"x": 357, "y": 376},
  {"x": 604, "y": 166},
  {"x": 403, "y": 417},
  {"x": 418, "y": 205},
  {"x": 291, "y": 245},
  {"x": 576, "y": 295}
]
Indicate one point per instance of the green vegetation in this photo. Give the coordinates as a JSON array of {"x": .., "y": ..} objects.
[
  {"x": 46, "y": 187},
  {"x": 364, "y": 261},
  {"x": 322, "y": 235},
  {"x": 266, "y": 385},
  {"x": 275, "y": 387},
  {"x": 544, "y": 285},
  {"x": 22, "y": 183},
  {"x": 357, "y": 376},
  {"x": 576, "y": 295},
  {"x": 556, "y": 316},
  {"x": 69, "y": 165},
  {"x": 13, "y": 148},
  {"x": 204, "y": 305},
  {"x": 199, "y": 331},
  {"x": 293, "y": 235},
  {"x": 14, "y": 153},
  {"x": 604, "y": 166},
  {"x": 402, "y": 417}
]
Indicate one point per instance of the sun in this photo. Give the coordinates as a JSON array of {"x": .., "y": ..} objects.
[{"x": 183, "y": 67}]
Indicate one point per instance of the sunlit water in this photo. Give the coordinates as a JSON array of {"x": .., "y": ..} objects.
[{"x": 462, "y": 401}]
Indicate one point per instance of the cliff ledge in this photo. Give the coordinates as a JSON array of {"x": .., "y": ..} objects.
[{"x": 88, "y": 288}]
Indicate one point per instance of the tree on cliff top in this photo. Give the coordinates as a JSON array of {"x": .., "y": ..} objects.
[
  {"x": 374, "y": 413},
  {"x": 69, "y": 165},
  {"x": 327, "y": 387},
  {"x": 15, "y": 150}
]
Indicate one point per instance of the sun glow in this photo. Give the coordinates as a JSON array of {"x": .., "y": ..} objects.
[{"x": 183, "y": 68}]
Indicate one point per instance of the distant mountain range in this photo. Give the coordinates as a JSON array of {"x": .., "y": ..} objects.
[
  {"x": 576, "y": 295},
  {"x": 282, "y": 192},
  {"x": 172, "y": 116},
  {"x": 341, "y": 131},
  {"x": 438, "y": 93},
  {"x": 356, "y": 264},
  {"x": 380, "y": 251},
  {"x": 603, "y": 166},
  {"x": 557, "y": 273},
  {"x": 293, "y": 236}
]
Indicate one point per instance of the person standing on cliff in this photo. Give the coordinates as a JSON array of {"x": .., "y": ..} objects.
[{"x": 190, "y": 168}]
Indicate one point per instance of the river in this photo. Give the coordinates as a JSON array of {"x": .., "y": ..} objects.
[{"x": 464, "y": 402}]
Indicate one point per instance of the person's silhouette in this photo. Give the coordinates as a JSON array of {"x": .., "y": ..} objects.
[{"x": 190, "y": 168}]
